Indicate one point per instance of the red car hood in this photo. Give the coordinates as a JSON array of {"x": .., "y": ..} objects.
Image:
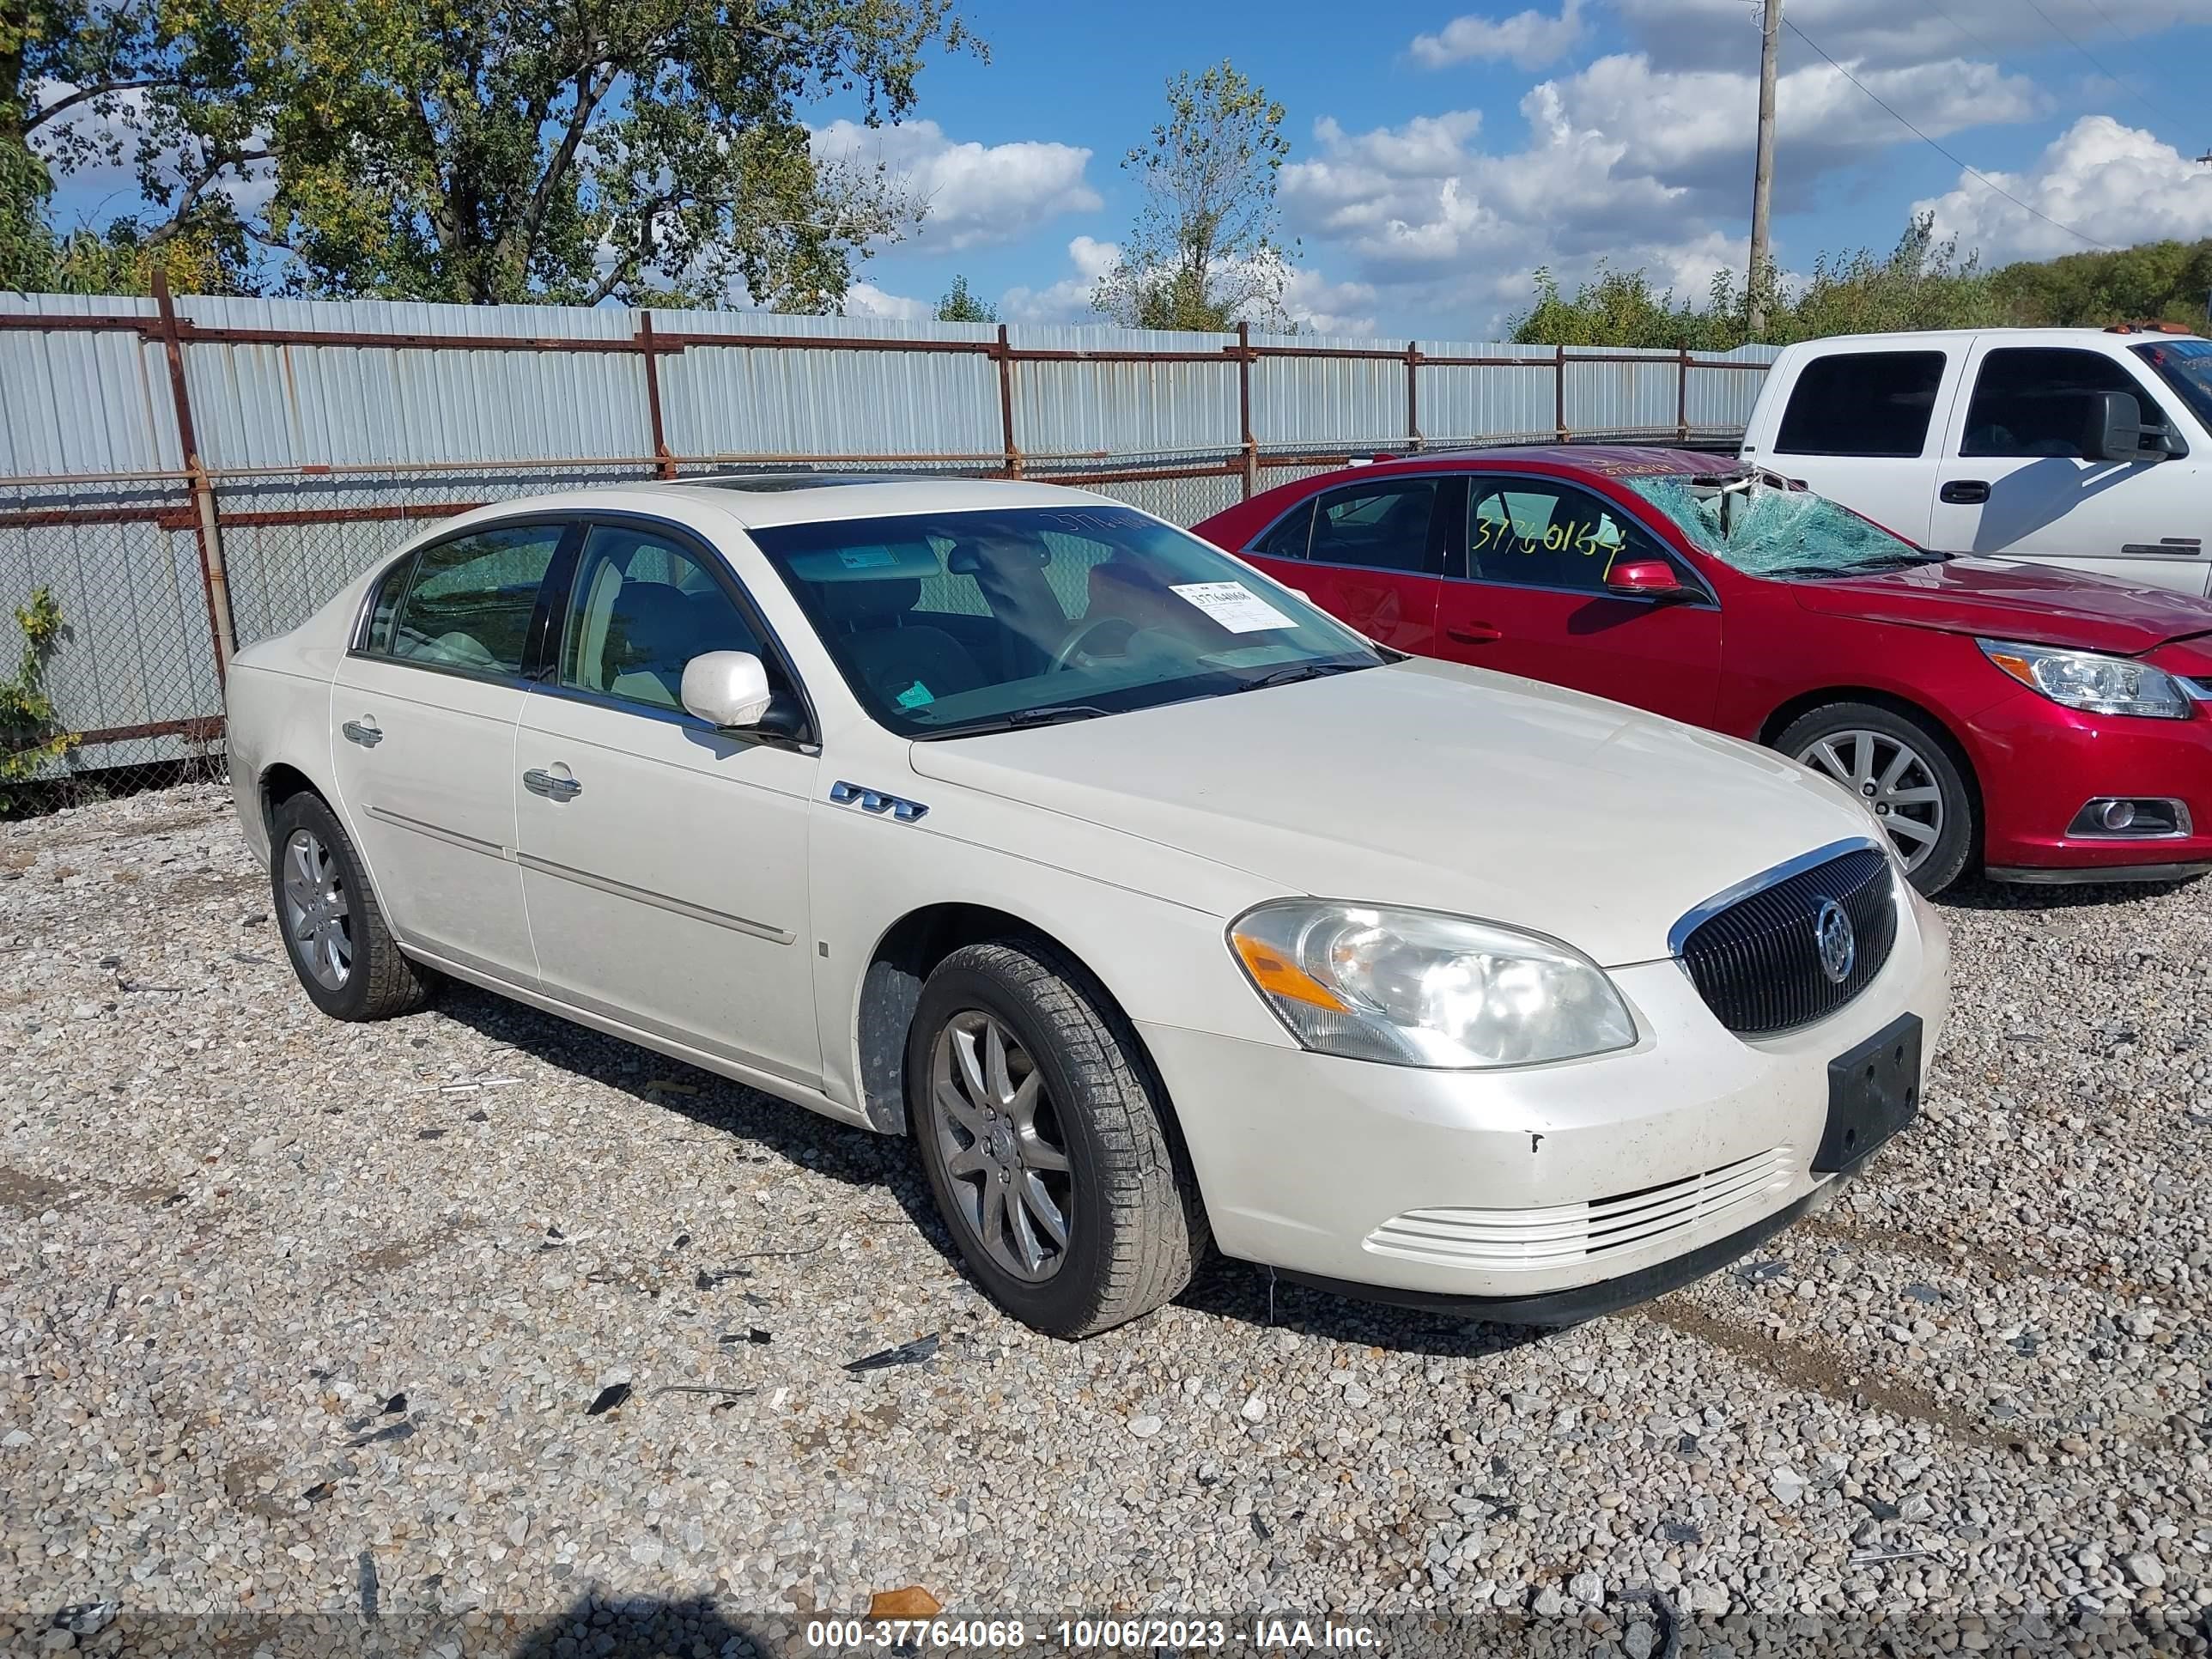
[{"x": 1999, "y": 599}]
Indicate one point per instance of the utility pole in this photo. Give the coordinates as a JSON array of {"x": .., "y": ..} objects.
[{"x": 1762, "y": 183}]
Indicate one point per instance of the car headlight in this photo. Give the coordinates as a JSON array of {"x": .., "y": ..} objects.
[
  {"x": 1412, "y": 988},
  {"x": 2090, "y": 682}
]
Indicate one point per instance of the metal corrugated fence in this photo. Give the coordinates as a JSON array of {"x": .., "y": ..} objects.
[{"x": 192, "y": 475}]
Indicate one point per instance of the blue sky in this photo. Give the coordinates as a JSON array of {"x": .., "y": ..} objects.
[{"x": 1439, "y": 154}]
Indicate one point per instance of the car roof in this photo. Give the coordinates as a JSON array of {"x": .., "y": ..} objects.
[
  {"x": 760, "y": 499},
  {"x": 1927, "y": 338},
  {"x": 1631, "y": 460}
]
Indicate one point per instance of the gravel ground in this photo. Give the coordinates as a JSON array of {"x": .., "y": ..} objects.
[{"x": 298, "y": 1318}]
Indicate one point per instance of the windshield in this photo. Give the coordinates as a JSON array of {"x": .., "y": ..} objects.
[
  {"x": 1766, "y": 530},
  {"x": 2186, "y": 366},
  {"x": 948, "y": 624}
]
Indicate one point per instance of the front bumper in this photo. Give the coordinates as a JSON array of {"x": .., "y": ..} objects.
[
  {"x": 1514, "y": 1186},
  {"x": 2038, "y": 764}
]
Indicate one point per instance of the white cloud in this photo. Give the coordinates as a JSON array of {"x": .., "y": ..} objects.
[
  {"x": 1530, "y": 39},
  {"x": 1068, "y": 299},
  {"x": 1319, "y": 305},
  {"x": 977, "y": 194},
  {"x": 866, "y": 299},
  {"x": 2112, "y": 182},
  {"x": 1885, "y": 34}
]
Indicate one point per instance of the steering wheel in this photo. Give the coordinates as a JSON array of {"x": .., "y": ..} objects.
[{"x": 1078, "y": 637}]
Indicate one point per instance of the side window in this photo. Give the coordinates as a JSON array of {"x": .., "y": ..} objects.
[
  {"x": 642, "y": 607},
  {"x": 2031, "y": 400},
  {"x": 1861, "y": 402},
  {"x": 383, "y": 608},
  {"x": 1383, "y": 525},
  {"x": 1288, "y": 538},
  {"x": 468, "y": 605},
  {"x": 1530, "y": 533}
]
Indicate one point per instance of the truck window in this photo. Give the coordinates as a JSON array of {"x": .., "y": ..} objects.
[
  {"x": 1861, "y": 402},
  {"x": 2039, "y": 400}
]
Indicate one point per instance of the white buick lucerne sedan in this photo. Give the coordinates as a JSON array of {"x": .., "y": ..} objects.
[{"x": 1154, "y": 905}]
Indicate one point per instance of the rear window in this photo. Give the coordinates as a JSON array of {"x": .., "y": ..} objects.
[{"x": 1861, "y": 402}]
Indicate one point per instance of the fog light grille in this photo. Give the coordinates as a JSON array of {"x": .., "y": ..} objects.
[
  {"x": 1507, "y": 1241},
  {"x": 2130, "y": 817}
]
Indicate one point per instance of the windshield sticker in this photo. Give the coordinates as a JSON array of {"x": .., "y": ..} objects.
[
  {"x": 1233, "y": 605},
  {"x": 866, "y": 558},
  {"x": 916, "y": 695}
]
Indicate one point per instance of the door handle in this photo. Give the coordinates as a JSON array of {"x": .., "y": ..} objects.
[
  {"x": 1965, "y": 492},
  {"x": 1474, "y": 633},
  {"x": 364, "y": 732},
  {"x": 540, "y": 782}
]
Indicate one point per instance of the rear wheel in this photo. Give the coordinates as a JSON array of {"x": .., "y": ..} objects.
[
  {"x": 1904, "y": 770},
  {"x": 347, "y": 961},
  {"x": 1045, "y": 1141}
]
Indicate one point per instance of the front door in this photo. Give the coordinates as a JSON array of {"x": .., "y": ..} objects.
[
  {"x": 423, "y": 717},
  {"x": 664, "y": 862},
  {"x": 1527, "y": 596},
  {"x": 1369, "y": 554},
  {"x": 2014, "y": 479}
]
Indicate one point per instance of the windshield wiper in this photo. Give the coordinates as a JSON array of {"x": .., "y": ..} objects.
[
  {"x": 1290, "y": 673},
  {"x": 1051, "y": 713},
  {"x": 1863, "y": 568}
]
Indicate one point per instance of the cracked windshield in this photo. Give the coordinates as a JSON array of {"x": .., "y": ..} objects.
[{"x": 1764, "y": 529}]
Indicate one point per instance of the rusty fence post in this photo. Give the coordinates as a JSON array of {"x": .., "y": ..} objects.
[
  {"x": 1559, "y": 392},
  {"x": 1682, "y": 401},
  {"x": 208, "y": 528},
  {"x": 1414, "y": 395},
  {"x": 1250, "y": 447},
  {"x": 666, "y": 463},
  {"x": 1005, "y": 353}
]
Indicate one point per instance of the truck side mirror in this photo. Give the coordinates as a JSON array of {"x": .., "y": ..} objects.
[{"x": 2117, "y": 430}]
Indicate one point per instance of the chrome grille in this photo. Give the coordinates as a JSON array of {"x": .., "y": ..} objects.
[
  {"x": 1757, "y": 960},
  {"x": 1531, "y": 1240}
]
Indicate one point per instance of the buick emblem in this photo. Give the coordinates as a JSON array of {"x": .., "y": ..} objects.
[{"x": 1832, "y": 936}]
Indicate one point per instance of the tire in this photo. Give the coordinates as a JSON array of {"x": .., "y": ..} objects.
[
  {"x": 1828, "y": 740},
  {"x": 1134, "y": 1229},
  {"x": 376, "y": 981}
]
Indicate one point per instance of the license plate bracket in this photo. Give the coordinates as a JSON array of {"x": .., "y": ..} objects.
[{"x": 1873, "y": 1090}]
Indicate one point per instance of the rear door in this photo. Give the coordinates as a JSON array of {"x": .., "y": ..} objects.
[
  {"x": 1527, "y": 595},
  {"x": 2016, "y": 481},
  {"x": 1368, "y": 553},
  {"x": 1864, "y": 429},
  {"x": 423, "y": 712}
]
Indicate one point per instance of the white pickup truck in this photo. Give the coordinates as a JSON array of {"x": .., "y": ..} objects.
[{"x": 2083, "y": 447}]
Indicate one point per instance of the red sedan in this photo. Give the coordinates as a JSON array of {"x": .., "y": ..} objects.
[{"x": 2040, "y": 725}]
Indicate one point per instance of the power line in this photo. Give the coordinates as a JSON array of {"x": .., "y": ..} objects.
[
  {"x": 2096, "y": 62},
  {"x": 1970, "y": 172}
]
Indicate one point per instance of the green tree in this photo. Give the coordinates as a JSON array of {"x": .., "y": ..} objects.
[
  {"x": 29, "y": 738},
  {"x": 2155, "y": 281},
  {"x": 563, "y": 150},
  {"x": 1207, "y": 249},
  {"x": 60, "y": 59},
  {"x": 1920, "y": 284},
  {"x": 960, "y": 305}
]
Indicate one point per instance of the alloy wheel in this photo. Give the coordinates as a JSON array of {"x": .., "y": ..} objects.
[
  {"x": 317, "y": 920},
  {"x": 1001, "y": 1145},
  {"x": 1892, "y": 778}
]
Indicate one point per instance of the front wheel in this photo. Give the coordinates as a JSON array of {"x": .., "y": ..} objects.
[
  {"x": 1046, "y": 1142},
  {"x": 1904, "y": 770}
]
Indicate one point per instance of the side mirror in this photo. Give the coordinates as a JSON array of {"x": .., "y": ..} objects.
[
  {"x": 726, "y": 688},
  {"x": 1645, "y": 578},
  {"x": 2116, "y": 429}
]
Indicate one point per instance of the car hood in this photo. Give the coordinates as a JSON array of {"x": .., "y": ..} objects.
[
  {"x": 1430, "y": 785},
  {"x": 1998, "y": 598}
]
